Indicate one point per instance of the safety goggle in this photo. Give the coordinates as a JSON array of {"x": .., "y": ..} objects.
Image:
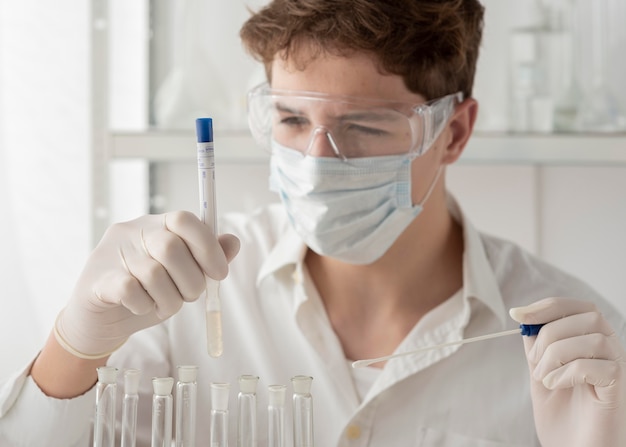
[{"x": 354, "y": 127}]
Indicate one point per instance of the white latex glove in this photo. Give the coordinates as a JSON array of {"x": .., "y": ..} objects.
[
  {"x": 578, "y": 375},
  {"x": 140, "y": 274}
]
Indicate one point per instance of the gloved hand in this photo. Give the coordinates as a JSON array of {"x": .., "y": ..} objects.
[
  {"x": 140, "y": 274},
  {"x": 578, "y": 374}
]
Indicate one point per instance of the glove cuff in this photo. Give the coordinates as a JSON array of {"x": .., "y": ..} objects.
[{"x": 65, "y": 345}]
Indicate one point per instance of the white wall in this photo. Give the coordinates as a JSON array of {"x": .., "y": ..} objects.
[
  {"x": 573, "y": 217},
  {"x": 583, "y": 225},
  {"x": 44, "y": 166}
]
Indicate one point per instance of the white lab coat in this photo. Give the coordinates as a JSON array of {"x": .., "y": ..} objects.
[{"x": 275, "y": 326}]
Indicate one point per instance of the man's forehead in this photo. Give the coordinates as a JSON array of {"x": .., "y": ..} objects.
[{"x": 354, "y": 75}]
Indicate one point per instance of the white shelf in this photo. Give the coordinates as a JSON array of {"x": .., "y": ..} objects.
[
  {"x": 157, "y": 145},
  {"x": 484, "y": 148},
  {"x": 547, "y": 149}
]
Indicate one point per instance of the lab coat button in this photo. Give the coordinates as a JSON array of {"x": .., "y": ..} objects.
[
  {"x": 353, "y": 432},
  {"x": 297, "y": 277}
]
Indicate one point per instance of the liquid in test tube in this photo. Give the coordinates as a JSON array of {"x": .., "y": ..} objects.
[{"x": 208, "y": 215}]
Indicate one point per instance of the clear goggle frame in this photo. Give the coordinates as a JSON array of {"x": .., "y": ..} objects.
[{"x": 353, "y": 127}]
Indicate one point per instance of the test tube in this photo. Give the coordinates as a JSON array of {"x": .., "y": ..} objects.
[
  {"x": 276, "y": 416},
  {"x": 246, "y": 402},
  {"x": 162, "y": 403},
  {"x": 302, "y": 411},
  {"x": 186, "y": 396},
  {"x": 129, "y": 407},
  {"x": 219, "y": 414},
  {"x": 208, "y": 215},
  {"x": 104, "y": 424}
]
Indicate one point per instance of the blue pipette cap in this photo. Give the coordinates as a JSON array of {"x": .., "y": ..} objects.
[
  {"x": 204, "y": 130},
  {"x": 530, "y": 329}
]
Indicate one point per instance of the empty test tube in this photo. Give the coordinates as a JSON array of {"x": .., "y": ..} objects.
[
  {"x": 246, "y": 403},
  {"x": 276, "y": 416},
  {"x": 302, "y": 411},
  {"x": 186, "y": 397},
  {"x": 104, "y": 424},
  {"x": 219, "y": 414},
  {"x": 129, "y": 407},
  {"x": 162, "y": 403}
]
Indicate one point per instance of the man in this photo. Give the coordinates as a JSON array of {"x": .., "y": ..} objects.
[{"x": 367, "y": 103}]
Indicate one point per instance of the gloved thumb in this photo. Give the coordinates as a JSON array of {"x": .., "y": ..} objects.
[
  {"x": 532, "y": 314},
  {"x": 230, "y": 244},
  {"x": 545, "y": 311},
  {"x": 549, "y": 309}
]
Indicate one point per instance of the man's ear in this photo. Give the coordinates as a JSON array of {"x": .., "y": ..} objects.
[{"x": 461, "y": 127}]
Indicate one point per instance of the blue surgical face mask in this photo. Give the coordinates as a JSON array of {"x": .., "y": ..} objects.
[{"x": 349, "y": 211}]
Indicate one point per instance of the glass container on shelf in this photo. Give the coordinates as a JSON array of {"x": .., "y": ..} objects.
[
  {"x": 543, "y": 86},
  {"x": 553, "y": 87},
  {"x": 599, "y": 110}
]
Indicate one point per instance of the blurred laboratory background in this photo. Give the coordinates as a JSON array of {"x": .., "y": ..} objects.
[{"x": 98, "y": 100}]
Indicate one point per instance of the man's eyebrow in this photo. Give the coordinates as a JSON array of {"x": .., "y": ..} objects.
[
  {"x": 286, "y": 109},
  {"x": 357, "y": 115},
  {"x": 370, "y": 115}
]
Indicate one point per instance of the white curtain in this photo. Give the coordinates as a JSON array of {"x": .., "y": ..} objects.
[
  {"x": 44, "y": 167},
  {"x": 208, "y": 72}
]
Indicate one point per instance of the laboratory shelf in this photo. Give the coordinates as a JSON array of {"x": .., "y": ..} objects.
[{"x": 483, "y": 148}]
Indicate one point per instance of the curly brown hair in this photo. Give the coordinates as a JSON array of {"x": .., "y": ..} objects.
[{"x": 432, "y": 44}]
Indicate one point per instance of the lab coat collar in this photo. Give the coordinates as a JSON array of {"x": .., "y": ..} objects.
[
  {"x": 289, "y": 251},
  {"x": 479, "y": 281}
]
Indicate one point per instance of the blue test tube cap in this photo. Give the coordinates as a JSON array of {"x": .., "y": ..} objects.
[{"x": 204, "y": 130}]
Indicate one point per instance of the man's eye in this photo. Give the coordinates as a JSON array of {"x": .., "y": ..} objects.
[
  {"x": 366, "y": 130},
  {"x": 293, "y": 120}
]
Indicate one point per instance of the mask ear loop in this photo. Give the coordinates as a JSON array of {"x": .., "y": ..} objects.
[{"x": 431, "y": 188}]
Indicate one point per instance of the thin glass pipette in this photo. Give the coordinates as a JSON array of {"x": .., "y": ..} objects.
[
  {"x": 219, "y": 414},
  {"x": 129, "y": 407},
  {"x": 525, "y": 329},
  {"x": 208, "y": 215},
  {"x": 276, "y": 416},
  {"x": 246, "y": 406},
  {"x": 104, "y": 424},
  {"x": 302, "y": 411},
  {"x": 162, "y": 403},
  {"x": 186, "y": 408}
]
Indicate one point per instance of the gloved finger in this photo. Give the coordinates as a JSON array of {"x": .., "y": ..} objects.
[
  {"x": 591, "y": 346},
  {"x": 170, "y": 251},
  {"x": 550, "y": 309},
  {"x": 598, "y": 373},
  {"x": 119, "y": 287},
  {"x": 138, "y": 303},
  {"x": 544, "y": 311},
  {"x": 202, "y": 244},
  {"x": 155, "y": 280},
  {"x": 568, "y": 327},
  {"x": 230, "y": 244}
]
